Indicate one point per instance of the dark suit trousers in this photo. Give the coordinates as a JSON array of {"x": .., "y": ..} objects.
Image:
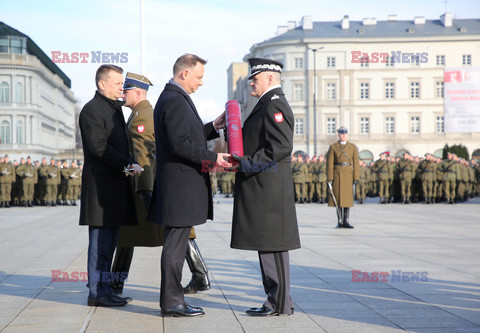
[
  {"x": 275, "y": 267},
  {"x": 173, "y": 259},
  {"x": 101, "y": 246}
]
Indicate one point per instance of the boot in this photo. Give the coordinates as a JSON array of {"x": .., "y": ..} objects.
[
  {"x": 30, "y": 203},
  {"x": 74, "y": 202},
  {"x": 199, "y": 281},
  {"x": 121, "y": 264},
  {"x": 2, "y": 204},
  {"x": 346, "y": 211},
  {"x": 7, "y": 204},
  {"x": 339, "y": 218}
]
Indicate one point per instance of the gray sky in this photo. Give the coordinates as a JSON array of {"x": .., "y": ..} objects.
[{"x": 221, "y": 31}]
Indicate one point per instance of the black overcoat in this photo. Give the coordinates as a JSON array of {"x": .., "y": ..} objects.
[
  {"x": 182, "y": 195},
  {"x": 107, "y": 197},
  {"x": 264, "y": 217}
]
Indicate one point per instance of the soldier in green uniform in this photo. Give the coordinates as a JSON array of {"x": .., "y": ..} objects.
[
  {"x": 427, "y": 170},
  {"x": 142, "y": 145},
  {"x": 342, "y": 174},
  {"x": 7, "y": 177},
  {"x": 17, "y": 184},
  {"x": 361, "y": 188},
  {"x": 73, "y": 183},
  {"x": 309, "y": 186},
  {"x": 27, "y": 173},
  {"x": 213, "y": 181},
  {"x": 449, "y": 169},
  {"x": 225, "y": 180},
  {"x": 381, "y": 168},
  {"x": 300, "y": 173},
  {"x": 321, "y": 179},
  {"x": 405, "y": 174}
]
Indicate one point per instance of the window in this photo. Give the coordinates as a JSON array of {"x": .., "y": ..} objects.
[
  {"x": 19, "y": 130},
  {"x": 440, "y": 60},
  {"x": 364, "y": 125},
  {"x": 389, "y": 62},
  {"x": 331, "y": 125},
  {"x": 389, "y": 90},
  {"x": 19, "y": 93},
  {"x": 389, "y": 125},
  {"x": 331, "y": 91},
  {"x": 364, "y": 62},
  {"x": 5, "y": 132},
  {"x": 4, "y": 92},
  {"x": 364, "y": 90},
  {"x": 439, "y": 89},
  {"x": 466, "y": 59},
  {"x": 298, "y": 126},
  {"x": 298, "y": 62},
  {"x": 298, "y": 92},
  {"x": 414, "y": 89},
  {"x": 331, "y": 62},
  {"x": 440, "y": 124},
  {"x": 415, "y": 124},
  {"x": 415, "y": 60}
]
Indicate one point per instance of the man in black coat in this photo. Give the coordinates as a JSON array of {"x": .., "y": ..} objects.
[
  {"x": 107, "y": 199},
  {"x": 264, "y": 217},
  {"x": 182, "y": 195}
]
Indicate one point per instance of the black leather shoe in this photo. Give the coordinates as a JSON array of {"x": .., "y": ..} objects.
[
  {"x": 116, "y": 297},
  {"x": 105, "y": 301},
  {"x": 182, "y": 310},
  {"x": 347, "y": 226},
  {"x": 265, "y": 312},
  {"x": 195, "y": 285}
]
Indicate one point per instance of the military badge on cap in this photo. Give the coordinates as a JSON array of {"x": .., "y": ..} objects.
[
  {"x": 259, "y": 65},
  {"x": 133, "y": 81}
]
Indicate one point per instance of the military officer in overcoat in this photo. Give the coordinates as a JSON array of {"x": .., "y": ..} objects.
[
  {"x": 107, "y": 198},
  {"x": 264, "y": 216},
  {"x": 343, "y": 171},
  {"x": 142, "y": 144}
]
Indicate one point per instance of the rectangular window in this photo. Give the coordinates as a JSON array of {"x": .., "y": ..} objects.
[
  {"x": 364, "y": 125},
  {"x": 414, "y": 89},
  {"x": 364, "y": 62},
  {"x": 389, "y": 62},
  {"x": 298, "y": 126},
  {"x": 440, "y": 60},
  {"x": 331, "y": 91},
  {"x": 414, "y": 124},
  {"x": 467, "y": 59},
  {"x": 331, "y": 62},
  {"x": 364, "y": 90},
  {"x": 389, "y": 90},
  {"x": 331, "y": 125},
  {"x": 439, "y": 89},
  {"x": 440, "y": 124},
  {"x": 415, "y": 60},
  {"x": 389, "y": 125},
  {"x": 298, "y": 92},
  {"x": 298, "y": 63}
]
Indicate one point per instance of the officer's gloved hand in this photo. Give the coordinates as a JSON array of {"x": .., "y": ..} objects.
[
  {"x": 238, "y": 159},
  {"x": 146, "y": 197},
  {"x": 330, "y": 182}
]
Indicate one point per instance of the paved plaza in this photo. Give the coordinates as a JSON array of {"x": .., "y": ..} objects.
[{"x": 427, "y": 258}]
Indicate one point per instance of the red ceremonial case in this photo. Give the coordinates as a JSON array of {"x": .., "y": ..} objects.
[{"x": 234, "y": 129}]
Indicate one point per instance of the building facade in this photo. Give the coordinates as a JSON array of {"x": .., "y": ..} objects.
[
  {"x": 37, "y": 115},
  {"x": 383, "y": 80}
]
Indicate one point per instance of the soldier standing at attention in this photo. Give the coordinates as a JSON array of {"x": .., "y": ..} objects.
[
  {"x": 27, "y": 173},
  {"x": 449, "y": 170},
  {"x": 381, "y": 169},
  {"x": 142, "y": 145},
  {"x": 427, "y": 170},
  {"x": 309, "y": 181},
  {"x": 342, "y": 172},
  {"x": 7, "y": 177},
  {"x": 322, "y": 179},
  {"x": 405, "y": 175},
  {"x": 300, "y": 173},
  {"x": 361, "y": 189}
]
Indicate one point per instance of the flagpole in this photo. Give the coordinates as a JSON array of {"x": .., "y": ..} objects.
[{"x": 142, "y": 38}]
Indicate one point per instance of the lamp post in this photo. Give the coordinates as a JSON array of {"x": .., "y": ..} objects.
[{"x": 315, "y": 99}]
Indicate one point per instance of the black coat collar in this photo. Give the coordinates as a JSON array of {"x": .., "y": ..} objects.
[
  {"x": 266, "y": 98},
  {"x": 115, "y": 104},
  {"x": 182, "y": 92}
]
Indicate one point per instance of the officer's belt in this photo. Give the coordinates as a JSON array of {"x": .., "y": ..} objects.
[{"x": 343, "y": 164}]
